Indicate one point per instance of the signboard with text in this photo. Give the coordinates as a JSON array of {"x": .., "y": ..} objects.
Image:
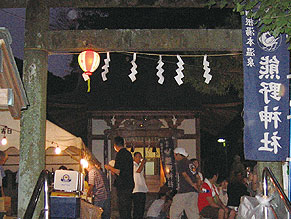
[{"x": 266, "y": 94}]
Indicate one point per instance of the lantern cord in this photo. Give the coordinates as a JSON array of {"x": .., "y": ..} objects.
[
  {"x": 5, "y": 126},
  {"x": 147, "y": 54},
  {"x": 89, "y": 88}
]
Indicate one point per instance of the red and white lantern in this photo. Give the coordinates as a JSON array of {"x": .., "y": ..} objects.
[{"x": 89, "y": 61}]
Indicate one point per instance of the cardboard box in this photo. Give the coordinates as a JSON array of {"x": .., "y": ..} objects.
[{"x": 5, "y": 205}]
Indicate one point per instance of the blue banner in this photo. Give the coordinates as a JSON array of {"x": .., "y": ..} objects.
[{"x": 266, "y": 94}]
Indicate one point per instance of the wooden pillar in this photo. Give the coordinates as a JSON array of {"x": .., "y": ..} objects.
[{"x": 33, "y": 120}]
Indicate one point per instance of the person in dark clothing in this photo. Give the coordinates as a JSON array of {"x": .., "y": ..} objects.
[
  {"x": 124, "y": 182},
  {"x": 236, "y": 189}
]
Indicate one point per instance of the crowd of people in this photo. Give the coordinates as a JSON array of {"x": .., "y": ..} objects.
[{"x": 198, "y": 194}]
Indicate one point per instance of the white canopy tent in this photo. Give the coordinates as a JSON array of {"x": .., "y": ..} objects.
[{"x": 72, "y": 147}]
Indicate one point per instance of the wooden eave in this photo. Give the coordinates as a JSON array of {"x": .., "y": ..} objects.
[
  {"x": 190, "y": 114},
  {"x": 10, "y": 77}
]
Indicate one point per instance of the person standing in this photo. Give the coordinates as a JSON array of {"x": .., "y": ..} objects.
[
  {"x": 189, "y": 185},
  {"x": 124, "y": 182},
  {"x": 99, "y": 189},
  {"x": 140, "y": 187}
]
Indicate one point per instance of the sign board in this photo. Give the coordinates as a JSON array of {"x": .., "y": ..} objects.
[
  {"x": 266, "y": 94},
  {"x": 67, "y": 180}
]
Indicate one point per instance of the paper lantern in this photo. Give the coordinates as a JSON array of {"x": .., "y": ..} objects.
[{"x": 89, "y": 61}]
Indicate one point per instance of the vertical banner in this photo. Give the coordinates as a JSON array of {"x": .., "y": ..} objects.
[
  {"x": 266, "y": 94},
  {"x": 168, "y": 162}
]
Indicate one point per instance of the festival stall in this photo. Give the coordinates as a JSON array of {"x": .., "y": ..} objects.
[{"x": 71, "y": 148}]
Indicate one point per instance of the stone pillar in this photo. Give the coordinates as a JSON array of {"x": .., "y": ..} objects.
[{"x": 33, "y": 120}]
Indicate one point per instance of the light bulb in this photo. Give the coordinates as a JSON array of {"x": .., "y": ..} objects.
[
  {"x": 84, "y": 163},
  {"x": 58, "y": 150},
  {"x": 221, "y": 140},
  {"x": 4, "y": 141}
]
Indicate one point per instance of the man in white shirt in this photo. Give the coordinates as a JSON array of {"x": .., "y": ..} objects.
[{"x": 140, "y": 187}]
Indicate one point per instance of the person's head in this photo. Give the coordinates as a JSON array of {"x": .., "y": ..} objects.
[
  {"x": 212, "y": 174},
  {"x": 162, "y": 196},
  {"x": 118, "y": 143},
  {"x": 98, "y": 166},
  {"x": 195, "y": 162},
  {"x": 236, "y": 158},
  {"x": 238, "y": 176},
  {"x": 63, "y": 167},
  {"x": 180, "y": 153},
  {"x": 91, "y": 165},
  {"x": 137, "y": 157},
  {"x": 164, "y": 192},
  {"x": 3, "y": 157},
  {"x": 224, "y": 184},
  {"x": 222, "y": 181}
]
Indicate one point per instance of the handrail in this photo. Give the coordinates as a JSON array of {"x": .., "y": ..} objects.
[
  {"x": 268, "y": 171},
  {"x": 41, "y": 182}
]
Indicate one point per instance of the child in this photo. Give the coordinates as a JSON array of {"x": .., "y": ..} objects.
[{"x": 159, "y": 208}]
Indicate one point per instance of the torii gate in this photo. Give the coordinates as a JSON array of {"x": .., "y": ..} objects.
[{"x": 39, "y": 42}]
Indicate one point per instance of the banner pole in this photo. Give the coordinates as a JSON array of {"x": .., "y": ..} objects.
[{"x": 289, "y": 161}]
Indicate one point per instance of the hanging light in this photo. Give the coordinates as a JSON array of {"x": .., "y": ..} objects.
[
  {"x": 84, "y": 163},
  {"x": 4, "y": 140},
  {"x": 4, "y": 131},
  {"x": 132, "y": 148},
  {"x": 154, "y": 149},
  {"x": 221, "y": 140},
  {"x": 89, "y": 61},
  {"x": 58, "y": 150}
]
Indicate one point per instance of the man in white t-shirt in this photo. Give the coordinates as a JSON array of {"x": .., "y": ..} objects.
[{"x": 140, "y": 187}]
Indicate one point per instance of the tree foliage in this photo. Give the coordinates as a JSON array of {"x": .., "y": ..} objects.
[
  {"x": 226, "y": 74},
  {"x": 271, "y": 15}
]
